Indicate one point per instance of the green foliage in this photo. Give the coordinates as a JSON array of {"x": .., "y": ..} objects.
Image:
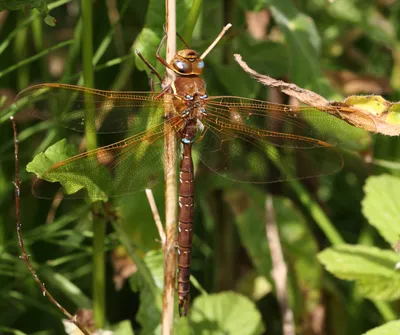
[
  {"x": 389, "y": 328},
  {"x": 24, "y": 5},
  {"x": 381, "y": 207},
  {"x": 373, "y": 270},
  {"x": 225, "y": 312}
]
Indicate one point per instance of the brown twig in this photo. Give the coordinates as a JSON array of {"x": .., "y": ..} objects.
[
  {"x": 170, "y": 149},
  {"x": 212, "y": 45},
  {"x": 279, "y": 269},
  {"x": 24, "y": 256},
  {"x": 306, "y": 96},
  {"x": 156, "y": 215}
]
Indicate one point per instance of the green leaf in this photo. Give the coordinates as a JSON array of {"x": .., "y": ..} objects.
[
  {"x": 303, "y": 43},
  {"x": 235, "y": 81},
  {"x": 5, "y": 330},
  {"x": 53, "y": 154},
  {"x": 40, "y": 5},
  {"x": 372, "y": 269},
  {"x": 381, "y": 206},
  {"x": 149, "y": 314},
  {"x": 225, "y": 313},
  {"x": 389, "y": 328},
  {"x": 123, "y": 328},
  {"x": 96, "y": 186},
  {"x": 150, "y": 37}
]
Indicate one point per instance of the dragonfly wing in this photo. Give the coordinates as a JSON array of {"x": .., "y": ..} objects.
[
  {"x": 68, "y": 106},
  {"x": 127, "y": 166},
  {"x": 324, "y": 123},
  {"x": 246, "y": 153}
]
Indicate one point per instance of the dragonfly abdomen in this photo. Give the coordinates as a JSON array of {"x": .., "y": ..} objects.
[{"x": 185, "y": 225}]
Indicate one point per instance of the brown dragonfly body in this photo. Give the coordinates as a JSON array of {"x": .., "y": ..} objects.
[
  {"x": 224, "y": 130},
  {"x": 188, "y": 85}
]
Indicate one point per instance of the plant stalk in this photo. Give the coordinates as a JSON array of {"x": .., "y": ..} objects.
[
  {"x": 171, "y": 198},
  {"x": 99, "y": 224}
]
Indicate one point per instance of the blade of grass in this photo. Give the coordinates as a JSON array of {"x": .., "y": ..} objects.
[{"x": 99, "y": 224}]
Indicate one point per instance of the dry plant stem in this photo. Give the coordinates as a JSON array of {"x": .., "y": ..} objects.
[
  {"x": 308, "y": 97},
  {"x": 156, "y": 215},
  {"x": 170, "y": 149},
  {"x": 24, "y": 256},
  {"x": 54, "y": 206},
  {"x": 212, "y": 45},
  {"x": 279, "y": 269}
]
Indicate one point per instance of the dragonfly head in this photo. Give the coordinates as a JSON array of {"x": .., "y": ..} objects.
[{"x": 187, "y": 62}]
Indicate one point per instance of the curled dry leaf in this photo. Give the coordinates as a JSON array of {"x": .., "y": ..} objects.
[
  {"x": 123, "y": 266},
  {"x": 356, "y": 110}
]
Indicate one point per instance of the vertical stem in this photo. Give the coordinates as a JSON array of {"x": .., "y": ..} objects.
[
  {"x": 20, "y": 54},
  {"x": 99, "y": 227},
  {"x": 170, "y": 188},
  {"x": 37, "y": 32}
]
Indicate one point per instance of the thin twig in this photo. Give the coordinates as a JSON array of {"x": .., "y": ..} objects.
[
  {"x": 170, "y": 151},
  {"x": 156, "y": 215},
  {"x": 306, "y": 96},
  {"x": 279, "y": 269},
  {"x": 212, "y": 45},
  {"x": 24, "y": 256},
  {"x": 54, "y": 206}
]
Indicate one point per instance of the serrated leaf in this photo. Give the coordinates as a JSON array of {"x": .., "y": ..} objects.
[
  {"x": 389, "y": 328},
  {"x": 372, "y": 269},
  {"x": 225, "y": 313},
  {"x": 72, "y": 182},
  {"x": 381, "y": 206},
  {"x": 53, "y": 154}
]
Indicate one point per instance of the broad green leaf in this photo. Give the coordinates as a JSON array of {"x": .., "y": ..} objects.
[
  {"x": 389, "y": 328},
  {"x": 225, "y": 313},
  {"x": 53, "y": 154},
  {"x": 123, "y": 328},
  {"x": 235, "y": 81},
  {"x": 303, "y": 43},
  {"x": 381, "y": 206},
  {"x": 149, "y": 314},
  {"x": 72, "y": 182},
  {"x": 372, "y": 269},
  {"x": 150, "y": 37},
  {"x": 264, "y": 57},
  {"x": 155, "y": 262}
]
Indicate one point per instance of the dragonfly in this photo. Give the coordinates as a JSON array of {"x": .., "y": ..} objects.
[{"x": 235, "y": 137}]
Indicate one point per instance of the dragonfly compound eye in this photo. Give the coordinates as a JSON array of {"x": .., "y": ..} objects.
[{"x": 182, "y": 66}]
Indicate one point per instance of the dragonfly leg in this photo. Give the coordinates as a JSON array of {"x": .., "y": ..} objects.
[
  {"x": 181, "y": 38},
  {"x": 160, "y": 59},
  {"x": 151, "y": 67}
]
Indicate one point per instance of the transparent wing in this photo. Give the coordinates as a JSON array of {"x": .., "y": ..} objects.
[
  {"x": 255, "y": 141},
  {"x": 68, "y": 106},
  {"x": 127, "y": 166}
]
